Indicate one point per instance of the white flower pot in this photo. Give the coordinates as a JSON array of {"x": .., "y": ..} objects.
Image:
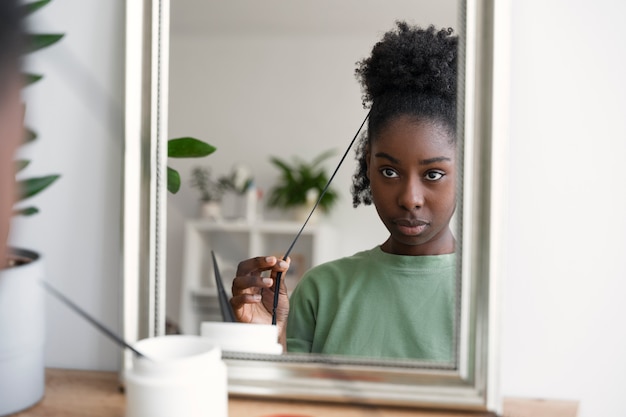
[
  {"x": 240, "y": 206},
  {"x": 211, "y": 210},
  {"x": 301, "y": 213},
  {"x": 22, "y": 334}
]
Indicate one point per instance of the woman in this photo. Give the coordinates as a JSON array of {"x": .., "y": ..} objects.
[{"x": 397, "y": 299}]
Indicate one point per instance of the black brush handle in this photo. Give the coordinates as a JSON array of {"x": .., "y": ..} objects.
[{"x": 90, "y": 319}]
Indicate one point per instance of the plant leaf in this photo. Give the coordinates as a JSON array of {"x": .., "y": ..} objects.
[
  {"x": 31, "y": 186},
  {"x": 323, "y": 156},
  {"x": 33, "y": 7},
  {"x": 28, "y": 211},
  {"x": 29, "y": 135},
  {"x": 281, "y": 164},
  {"x": 31, "y": 78},
  {"x": 20, "y": 164},
  {"x": 173, "y": 180},
  {"x": 188, "y": 148},
  {"x": 37, "y": 41}
]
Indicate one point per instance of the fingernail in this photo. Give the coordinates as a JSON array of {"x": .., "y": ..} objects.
[
  {"x": 270, "y": 259},
  {"x": 256, "y": 297},
  {"x": 283, "y": 264},
  {"x": 268, "y": 281}
]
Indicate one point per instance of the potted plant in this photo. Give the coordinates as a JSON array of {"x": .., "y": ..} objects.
[
  {"x": 22, "y": 313},
  {"x": 211, "y": 192},
  {"x": 240, "y": 195},
  {"x": 300, "y": 185}
]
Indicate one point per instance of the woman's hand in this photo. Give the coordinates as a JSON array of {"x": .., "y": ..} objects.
[{"x": 253, "y": 294}]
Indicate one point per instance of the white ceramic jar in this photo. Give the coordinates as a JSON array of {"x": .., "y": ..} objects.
[{"x": 184, "y": 376}]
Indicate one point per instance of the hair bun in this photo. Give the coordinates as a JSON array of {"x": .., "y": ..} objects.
[{"x": 411, "y": 60}]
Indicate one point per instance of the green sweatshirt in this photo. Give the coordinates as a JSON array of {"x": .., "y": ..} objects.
[{"x": 375, "y": 304}]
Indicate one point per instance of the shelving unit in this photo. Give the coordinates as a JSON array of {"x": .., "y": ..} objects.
[{"x": 233, "y": 242}]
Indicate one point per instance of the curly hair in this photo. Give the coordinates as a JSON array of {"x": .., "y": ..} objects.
[{"x": 411, "y": 71}]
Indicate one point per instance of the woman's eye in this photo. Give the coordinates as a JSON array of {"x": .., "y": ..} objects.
[
  {"x": 434, "y": 175},
  {"x": 388, "y": 173}
]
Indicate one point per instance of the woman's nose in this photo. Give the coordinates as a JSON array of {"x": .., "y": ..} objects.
[{"x": 411, "y": 194}]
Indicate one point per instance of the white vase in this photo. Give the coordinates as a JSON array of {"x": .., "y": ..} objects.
[
  {"x": 301, "y": 213},
  {"x": 240, "y": 206},
  {"x": 22, "y": 334},
  {"x": 211, "y": 210}
]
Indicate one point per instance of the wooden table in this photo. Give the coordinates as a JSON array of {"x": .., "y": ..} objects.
[{"x": 71, "y": 393}]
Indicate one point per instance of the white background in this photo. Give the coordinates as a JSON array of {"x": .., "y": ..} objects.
[{"x": 564, "y": 281}]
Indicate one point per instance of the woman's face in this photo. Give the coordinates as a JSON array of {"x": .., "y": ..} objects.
[{"x": 411, "y": 166}]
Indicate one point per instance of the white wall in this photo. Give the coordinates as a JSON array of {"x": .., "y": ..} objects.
[
  {"x": 563, "y": 307},
  {"x": 77, "y": 111}
]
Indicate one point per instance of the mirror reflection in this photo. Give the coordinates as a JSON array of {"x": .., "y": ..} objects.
[{"x": 273, "y": 88}]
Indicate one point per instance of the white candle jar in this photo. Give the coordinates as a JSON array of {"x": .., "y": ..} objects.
[{"x": 181, "y": 376}]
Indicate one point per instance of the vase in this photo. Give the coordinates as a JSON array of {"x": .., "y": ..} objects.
[
  {"x": 240, "y": 207},
  {"x": 22, "y": 333},
  {"x": 301, "y": 213},
  {"x": 211, "y": 210}
]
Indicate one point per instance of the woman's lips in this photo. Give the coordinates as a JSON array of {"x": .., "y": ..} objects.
[{"x": 411, "y": 227}]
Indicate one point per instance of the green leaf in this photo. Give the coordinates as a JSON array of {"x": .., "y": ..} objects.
[
  {"x": 323, "y": 156},
  {"x": 188, "y": 148},
  {"x": 28, "y": 211},
  {"x": 34, "y": 6},
  {"x": 29, "y": 135},
  {"x": 35, "y": 42},
  {"x": 173, "y": 180},
  {"x": 32, "y": 186},
  {"x": 20, "y": 164},
  {"x": 31, "y": 78}
]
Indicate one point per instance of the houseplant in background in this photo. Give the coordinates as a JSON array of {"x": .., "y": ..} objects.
[
  {"x": 300, "y": 185},
  {"x": 240, "y": 194},
  {"x": 211, "y": 192},
  {"x": 22, "y": 324}
]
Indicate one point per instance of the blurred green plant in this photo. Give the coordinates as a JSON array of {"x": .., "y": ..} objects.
[
  {"x": 29, "y": 187},
  {"x": 210, "y": 189},
  {"x": 300, "y": 182}
]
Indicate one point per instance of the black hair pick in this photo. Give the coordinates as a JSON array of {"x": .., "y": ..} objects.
[{"x": 279, "y": 275}]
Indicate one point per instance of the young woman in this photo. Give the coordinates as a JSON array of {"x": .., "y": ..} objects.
[{"x": 397, "y": 299}]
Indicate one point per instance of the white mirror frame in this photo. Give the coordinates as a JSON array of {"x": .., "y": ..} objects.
[{"x": 471, "y": 383}]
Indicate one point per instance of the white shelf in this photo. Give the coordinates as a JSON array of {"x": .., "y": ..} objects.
[{"x": 233, "y": 242}]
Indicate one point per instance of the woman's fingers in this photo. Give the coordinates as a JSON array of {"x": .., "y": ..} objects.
[
  {"x": 249, "y": 273},
  {"x": 240, "y": 300},
  {"x": 250, "y": 284},
  {"x": 256, "y": 265},
  {"x": 253, "y": 293}
]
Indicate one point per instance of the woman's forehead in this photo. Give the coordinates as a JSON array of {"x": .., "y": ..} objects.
[{"x": 405, "y": 135}]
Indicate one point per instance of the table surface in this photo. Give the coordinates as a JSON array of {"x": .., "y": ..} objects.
[{"x": 73, "y": 393}]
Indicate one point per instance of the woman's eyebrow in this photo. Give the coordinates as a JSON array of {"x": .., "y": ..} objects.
[
  {"x": 435, "y": 159},
  {"x": 387, "y": 156}
]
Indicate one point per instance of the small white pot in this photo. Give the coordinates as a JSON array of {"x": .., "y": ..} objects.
[
  {"x": 185, "y": 376},
  {"x": 22, "y": 334},
  {"x": 211, "y": 210},
  {"x": 301, "y": 213}
]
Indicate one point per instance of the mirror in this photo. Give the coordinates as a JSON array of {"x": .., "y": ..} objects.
[
  {"x": 262, "y": 79},
  {"x": 171, "y": 79}
]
